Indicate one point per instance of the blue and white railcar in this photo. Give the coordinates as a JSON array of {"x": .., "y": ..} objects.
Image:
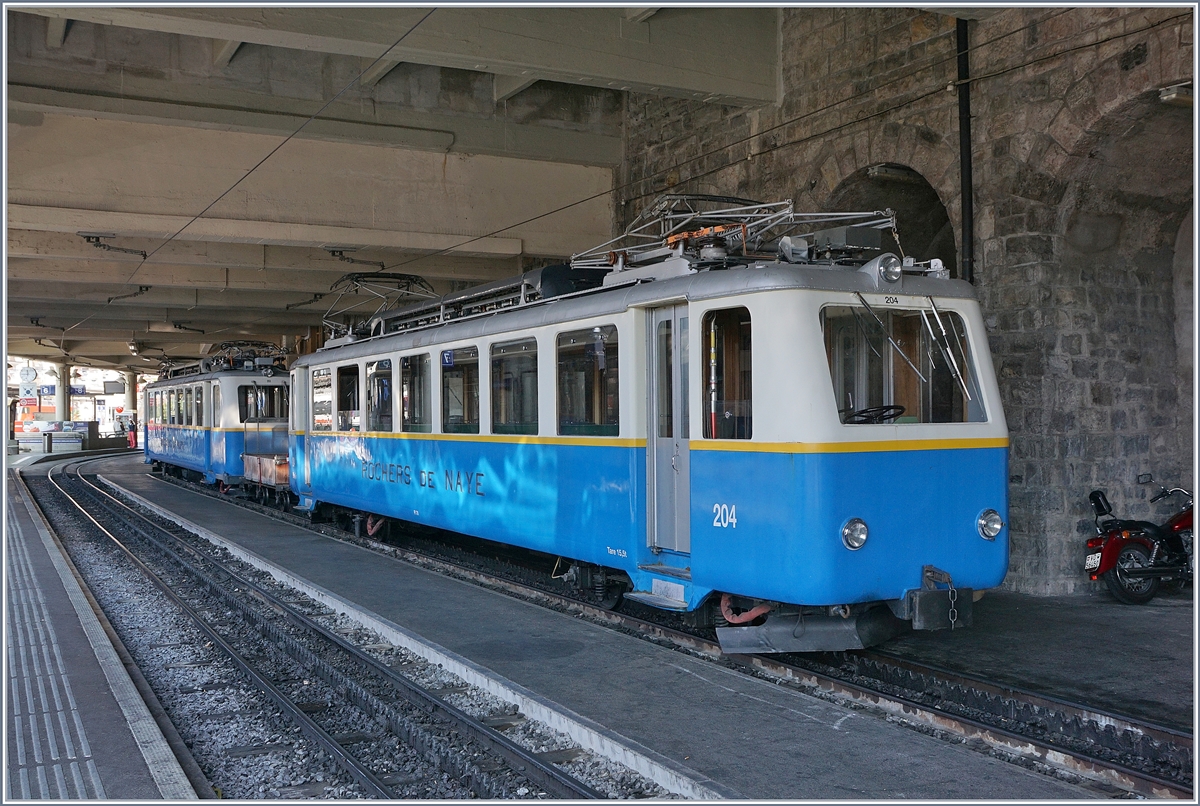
[
  {"x": 799, "y": 447},
  {"x": 206, "y": 419}
]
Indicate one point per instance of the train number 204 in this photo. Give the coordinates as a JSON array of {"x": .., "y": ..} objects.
[{"x": 725, "y": 515}]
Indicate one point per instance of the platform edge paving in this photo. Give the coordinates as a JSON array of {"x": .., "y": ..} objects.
[
  {"x": 663, "y": 771},
  {"x": 164, "y": 768}
]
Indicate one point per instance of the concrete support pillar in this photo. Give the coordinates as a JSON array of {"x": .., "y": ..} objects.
[
  {"x": 62, "y": 392},
  {"x": 131, "y": 395}
]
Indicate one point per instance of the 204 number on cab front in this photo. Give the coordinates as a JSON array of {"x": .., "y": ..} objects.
[{"x": 725, "y": 515}]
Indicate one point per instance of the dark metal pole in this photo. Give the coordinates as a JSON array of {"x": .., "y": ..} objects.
[{"x": 967, "y": 255}]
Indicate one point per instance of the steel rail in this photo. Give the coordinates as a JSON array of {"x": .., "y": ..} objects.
[
  {"x": 311, "y": 729},
  {"x": 1086, "y": 766},
  {"x": 1102, "y": 717},
  {"x": 532, "y": 767}
]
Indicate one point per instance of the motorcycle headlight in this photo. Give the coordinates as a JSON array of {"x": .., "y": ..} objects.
[
  {"x": 854, "y": 534},
  {"x": 989, "y": 524}
]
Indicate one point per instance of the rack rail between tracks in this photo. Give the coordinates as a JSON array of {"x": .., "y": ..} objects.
[{"x": 218, "y": 579}]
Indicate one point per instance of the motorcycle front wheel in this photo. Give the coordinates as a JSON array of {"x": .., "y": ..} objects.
[{"x": 1126, "y": 589}]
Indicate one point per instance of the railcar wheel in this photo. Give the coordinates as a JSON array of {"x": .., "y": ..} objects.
[
  {"x": 1131, "y": 590},
  {"x": 610, "y": 597}
]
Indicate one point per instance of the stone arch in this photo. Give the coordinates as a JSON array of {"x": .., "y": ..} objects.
[
  {"x": 926, "y": 230},
  {"x": 1121, "y": 297}
]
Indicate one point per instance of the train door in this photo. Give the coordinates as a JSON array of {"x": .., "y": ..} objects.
[
  {"x": 218, "y": 431},
  {"x": 668, "y": 522}
]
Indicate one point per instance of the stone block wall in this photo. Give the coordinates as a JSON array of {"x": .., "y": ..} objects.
[{"x": 1083, "y": 199}]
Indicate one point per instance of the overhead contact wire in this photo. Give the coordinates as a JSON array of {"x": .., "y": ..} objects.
[
  {"x": 799, "y": 118},
  {"x": 270, "y": 154}
]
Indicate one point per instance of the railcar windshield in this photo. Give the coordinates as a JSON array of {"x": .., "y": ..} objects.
[
  {"x": 901, "y": 365},
  {"x": 262, "y": 403}
]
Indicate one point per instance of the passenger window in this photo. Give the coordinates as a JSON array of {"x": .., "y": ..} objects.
[
  {"x": 216, "y": 405},
  {"x": 171, "y": 410},
  {"x": 199, "y": 405},
  {"x": 348, "y": 417},
  {"x": 900, "y": 366},
  {"x": 322, "y": 400},
  {"x": 415, "y": 380},
  {"x": 379, "y": 395},
  {"x": 187, "y": 406},
  {"x": 460, "y": 391},
  {"x": 725, "y": 346},
  {"x": 514, "y": 388},
  {"x": 587, "y": 382}
]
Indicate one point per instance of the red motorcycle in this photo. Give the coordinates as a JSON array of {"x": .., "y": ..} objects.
[{"x": 1138, "y": 559}]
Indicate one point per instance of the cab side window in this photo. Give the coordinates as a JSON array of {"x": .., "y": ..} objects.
[
  {"x": 725, "y": 348},
  {"x": 322, "y": 400},
  {"x": 348, "y": 417}
]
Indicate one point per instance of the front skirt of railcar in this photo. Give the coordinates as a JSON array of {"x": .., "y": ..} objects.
[{"x": 937, "y": 606}]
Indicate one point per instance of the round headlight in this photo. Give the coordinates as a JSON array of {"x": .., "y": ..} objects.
[
  {"x": 890, "y": 268},
  {"x": 854, "y": 534},
  {"x": 989, "y": 524}
]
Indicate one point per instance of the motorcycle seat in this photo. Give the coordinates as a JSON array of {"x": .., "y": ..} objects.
[{"x": 1153, "y": 531}]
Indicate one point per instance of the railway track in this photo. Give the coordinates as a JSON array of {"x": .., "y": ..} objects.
[
  {"x": 1109, "y": 752},
  {"x": 249, "y": 622}
]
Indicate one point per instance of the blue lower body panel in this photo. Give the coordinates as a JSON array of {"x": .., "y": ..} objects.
[
  {"x": 215, "y": 453},
  {"x": 763, "y": 525},
  {"x": 920, "y": 506},
  {"x": 582, "y": 502}
]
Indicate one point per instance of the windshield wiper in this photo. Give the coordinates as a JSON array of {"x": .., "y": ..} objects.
[
  {"x": 947, "y": 349},
  {"x": 887, "y": 335},
  {"x": 863, "y": 329}
]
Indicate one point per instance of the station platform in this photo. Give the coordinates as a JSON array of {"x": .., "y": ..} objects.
[
  {"x": 76, "y": 726},
  {"x": 753, "y": 738}
]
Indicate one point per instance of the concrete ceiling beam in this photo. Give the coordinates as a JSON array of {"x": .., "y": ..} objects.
[
  {"x": 223, "y": 50},
  {"x": 375, "y": 69},
  {"x": 59, "y": 315},
  {"x": 145, "y": 225},
  {"x": 505, "y": 87},
  {"x": 204, "y": 301},
  {"x": 56, "y": 32},
  {"x": 37, "y": 253},
  {"x": 117, "y": 280},
  {"x": 73, "y": 174},
  {"x": 640, "y": 14},
  {"x": 119, "y": 96},
  {"x": 573, "y": 45}
]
